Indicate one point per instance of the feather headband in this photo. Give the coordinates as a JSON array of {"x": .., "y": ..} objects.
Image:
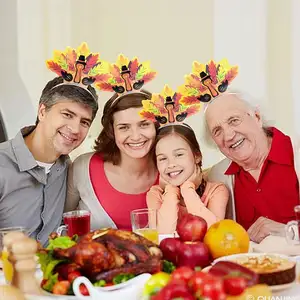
[
  {"x": 207, "y": 81},
  {"x": 78, "y": 67},
  {"x": 126, "y": 76},
  {"x": 167, "y": 108}
]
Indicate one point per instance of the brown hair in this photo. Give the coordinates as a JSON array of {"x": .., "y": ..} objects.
[
  {"x": 105, "y": 143},
  {"x": 53, "y": 92},
  {"x": 187, "y": 134}
]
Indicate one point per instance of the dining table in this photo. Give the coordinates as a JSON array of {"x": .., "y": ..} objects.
[{"x": 271, "y": 245}]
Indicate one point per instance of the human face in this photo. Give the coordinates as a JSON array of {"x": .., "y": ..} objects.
[
  {"x": 65, "y": 125},
  {"x": 175, "y": 159},
  {"x": 236, "y": 129},
  {"x": 133, "y": 135}
]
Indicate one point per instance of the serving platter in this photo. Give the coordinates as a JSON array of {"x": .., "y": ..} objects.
[{"x": 274, "y": 288}]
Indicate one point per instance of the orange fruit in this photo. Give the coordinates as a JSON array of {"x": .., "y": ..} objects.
[{"x": 226, "y": 237}]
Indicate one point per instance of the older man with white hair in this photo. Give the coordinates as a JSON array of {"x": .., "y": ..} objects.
[{"x": 261, "y": 168}]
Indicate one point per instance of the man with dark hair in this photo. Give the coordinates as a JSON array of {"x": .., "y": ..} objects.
[{"x": 34, "y": 164}]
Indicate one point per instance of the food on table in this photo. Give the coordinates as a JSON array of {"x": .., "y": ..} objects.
[
  {"x": 193, "y": 254},
  {"x": 234, "y": 285},
  {"x": 174, "y": 290},
  {"x": 168, "y": 266},
  {"x": 187, "y": 250},
  {"x": 228, "y": 280},
  {"x": 7, "y": 267},
  {"x": 182, "y": 273},
  {"x": 190, "y": 254},
  {"x": 169, "y": 248},
  {"x": 155, "y": 283},
  {"x": 255, "y": 292},
  {"x": 226, "y": 237},
  {"x": 191, "y": 228},
  {"x": 233, "y": 269},
  {"x": 101, "y": 255},
  {"x": 271, "y": 269},
  {"x": 204, "y": 285},
  {"x": 148, "y": 233}
]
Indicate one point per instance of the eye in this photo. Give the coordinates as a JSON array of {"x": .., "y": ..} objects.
[
  {"x": 161, "y": 159},
  {"x": 216, "y": 132},
  {"x": 124, "y": 128},
  {"x": 235, "y": 121},
  {"x": 179, "y": 154},
  {"x": 67, "y": 115},
  {"x": 145, "y": 124},
  {"x": 85, "y": 124}
]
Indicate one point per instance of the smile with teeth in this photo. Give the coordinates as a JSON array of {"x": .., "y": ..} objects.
[
  {"x": 237, "y": 143},
  {"x": 174, "y": 174},
  {"x": 67, "y": 137},
  {"x": 136, "y": 145}
]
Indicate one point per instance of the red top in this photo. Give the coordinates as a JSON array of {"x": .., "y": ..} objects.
[
  {"x": 117, "y": 205},
  {"x": 277, "y": 190}
]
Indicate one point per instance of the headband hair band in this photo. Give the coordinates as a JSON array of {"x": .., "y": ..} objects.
[
  {"x": 207, "y": 81},
  {"x": 78, "y": 67},
  {"x": 126, "y": 76},
  {"x": 167, "y": 108},
  {"x": 176, "y": 124},
  {"x": 118, "y": 98},
  {"x": 74, "y": 84}
]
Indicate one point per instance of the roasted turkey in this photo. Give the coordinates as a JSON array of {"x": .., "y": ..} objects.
[{"x": 105, "y": 253}]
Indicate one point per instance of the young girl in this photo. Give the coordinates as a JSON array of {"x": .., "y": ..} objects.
[{"x": 182, "y": 188}]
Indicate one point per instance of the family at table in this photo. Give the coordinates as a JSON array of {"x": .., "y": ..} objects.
[{"x": 146, "y": 156}]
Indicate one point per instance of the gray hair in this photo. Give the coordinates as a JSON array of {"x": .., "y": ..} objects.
[
  {"x": 252, "y": 103},
  {"x": 55, "y": 91}
]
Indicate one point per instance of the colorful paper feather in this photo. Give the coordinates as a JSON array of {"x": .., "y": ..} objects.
[
  {"x": 126, "y": 75},
  {"x": 167, "y": 107},
  {"x": 207, "y": 81},
  {"x": 78, "y": 65}
]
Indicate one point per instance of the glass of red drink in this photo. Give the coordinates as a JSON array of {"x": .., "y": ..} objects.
[
  {"x": 292, "y": 229},
  {"x": 76, "y": 222},
  {"x": 297, "y": 212}
]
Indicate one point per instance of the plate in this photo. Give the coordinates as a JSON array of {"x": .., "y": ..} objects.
[
  {"x": 46, "y": 295},
  {"x": 274, "y": 288}
]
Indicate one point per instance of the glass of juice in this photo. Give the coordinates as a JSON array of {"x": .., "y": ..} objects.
[
  {"x": 76, "y": 222},
  {"x": 6, "y": 265},
  {"x": 144, "y": 223}
]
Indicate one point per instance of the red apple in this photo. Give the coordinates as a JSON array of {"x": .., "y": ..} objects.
[
  {"x": 191, "y": 228},
  {"x": 193, "y": 254},
  {"x": 169, "y": 248},
  {"x": 174, "y": 290}
]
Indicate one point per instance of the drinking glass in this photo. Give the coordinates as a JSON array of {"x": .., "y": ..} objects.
[
  {"x": 144, "y": 223},
  {"x": 292, "y": 228},
  {"x": 297, "y": 212},
  {"x": 6, "y": 265},
  {"x": 76, "y": 222}
]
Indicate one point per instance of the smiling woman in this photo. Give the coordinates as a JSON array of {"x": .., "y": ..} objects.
[{"x": 102, "y": 181}]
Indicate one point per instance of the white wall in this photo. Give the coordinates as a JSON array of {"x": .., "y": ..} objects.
[
  {"x": 261, "y": 36},
  {"x": 15, "y": 102}
]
